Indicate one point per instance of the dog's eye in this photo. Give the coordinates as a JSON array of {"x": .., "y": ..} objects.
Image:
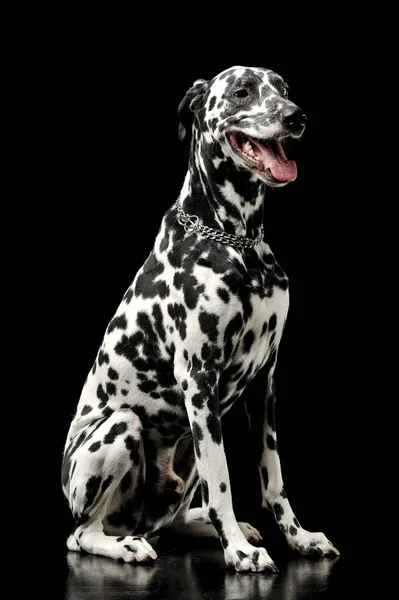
[
  {"x": 243, "y": 93},
  {"x": 285, "y": 92}
]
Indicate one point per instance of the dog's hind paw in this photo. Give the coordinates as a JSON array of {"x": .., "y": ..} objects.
[
  {"x": 251, "y": 534},
  {"x": 134, "y": 549}
]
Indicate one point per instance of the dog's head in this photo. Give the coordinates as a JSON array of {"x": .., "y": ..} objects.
[{"x": 247, "y": 111}]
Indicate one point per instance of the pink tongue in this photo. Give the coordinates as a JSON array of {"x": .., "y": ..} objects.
[{"x": 281, "y": 168}]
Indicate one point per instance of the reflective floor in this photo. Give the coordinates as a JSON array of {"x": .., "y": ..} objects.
[{"x": 199, "y": 572}]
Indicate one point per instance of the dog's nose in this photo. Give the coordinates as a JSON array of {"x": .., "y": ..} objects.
[{"x": 294, "y": 118}]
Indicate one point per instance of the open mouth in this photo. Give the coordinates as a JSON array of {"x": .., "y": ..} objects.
[{"x": 265, "y": 156}]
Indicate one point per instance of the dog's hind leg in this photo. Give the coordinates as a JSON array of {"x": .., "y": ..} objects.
[{"x": 103, "y": 462}]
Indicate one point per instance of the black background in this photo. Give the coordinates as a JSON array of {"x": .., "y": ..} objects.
[{"x": 114, "y": 165}]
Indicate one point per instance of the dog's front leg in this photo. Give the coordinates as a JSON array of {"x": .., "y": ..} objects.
[
  {"x": 262, "y": 423},
  {"x": 203, "y": 412}
]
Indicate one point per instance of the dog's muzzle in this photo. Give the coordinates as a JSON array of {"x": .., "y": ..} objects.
[{"x": 265, "y": 156}]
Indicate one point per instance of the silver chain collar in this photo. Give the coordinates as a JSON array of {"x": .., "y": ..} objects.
[{"x": 191, "y": 224}]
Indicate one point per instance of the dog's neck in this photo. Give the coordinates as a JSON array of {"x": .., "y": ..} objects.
[{"x": 221, "y": 195}]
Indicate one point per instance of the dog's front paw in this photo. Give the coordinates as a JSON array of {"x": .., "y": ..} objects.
[
  {"x": 309, "y": 543},
  {"x": 248, "y": 558}
]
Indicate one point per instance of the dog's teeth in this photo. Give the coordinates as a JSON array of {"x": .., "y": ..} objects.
[{"x": 247, "y": 148}]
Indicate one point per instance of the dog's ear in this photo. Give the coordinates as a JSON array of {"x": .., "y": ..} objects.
[{"x": 190, "y": 105}]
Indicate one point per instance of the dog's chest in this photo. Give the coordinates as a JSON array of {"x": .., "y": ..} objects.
[
  {"x": 264, "y": 315},
  {"x": 263, "y": 327}
]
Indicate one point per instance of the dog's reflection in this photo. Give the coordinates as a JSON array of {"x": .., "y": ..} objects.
[
  {"x": 296, "y": 579},
  {"x": 190, "y": 575}
]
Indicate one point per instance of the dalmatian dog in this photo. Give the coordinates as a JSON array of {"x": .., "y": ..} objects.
[{"x": 203, "y": 315}]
